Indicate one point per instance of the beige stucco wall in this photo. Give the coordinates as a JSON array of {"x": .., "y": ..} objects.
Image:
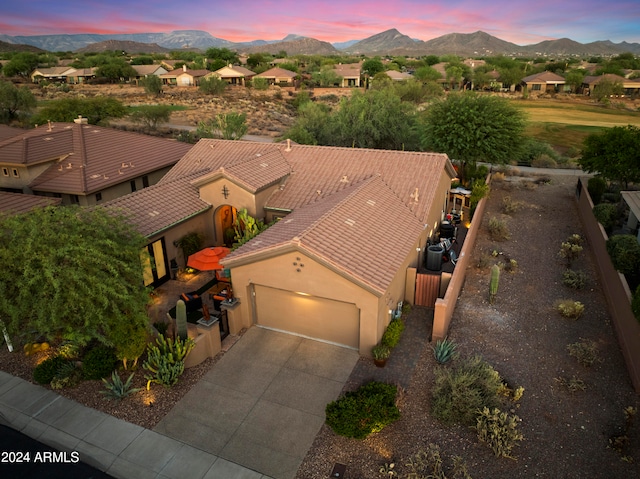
[
  {"x": 202, "y": 223},
  {"x": 25, "y": 175},
  {"x": 237, "y": 196}
]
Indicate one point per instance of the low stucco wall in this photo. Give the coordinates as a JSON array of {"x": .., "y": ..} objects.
[
  {"x": 444, "y": 307},
  {"x": 614, "y": 285}
]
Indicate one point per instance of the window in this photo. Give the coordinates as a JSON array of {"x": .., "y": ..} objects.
[
  {"x": 5, "y": 171},
  {"x": 145, "y": 181},
  {"x": 536, "y": 86},
  {"x": 98, "y": 196},
  {"x": 16, "y": 173},
  {"x": 133, "y": 186}
]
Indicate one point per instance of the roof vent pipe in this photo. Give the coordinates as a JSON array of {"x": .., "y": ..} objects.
[{"x": 288, "y": 144}]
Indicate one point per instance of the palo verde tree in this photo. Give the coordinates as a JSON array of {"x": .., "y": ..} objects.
[
  {"x": 614, "y": 154},
  {"x": 470, "y": 127},
  {"x": 150, "y": 116},
  {"x": 228, "y": 126},
  {"x": 97, "y": 110},
  {"x": 72, "y": 274}
]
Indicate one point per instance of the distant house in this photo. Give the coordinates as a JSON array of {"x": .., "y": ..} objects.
[
  {"x": 54, "y": 74},
  {"x": 81, "y": 75},
  {"x": 398, "y": 76},
  {"x": 144, "y": 71},
  {"x": 83, "y": 164},
  {"x": 278, "y": 76},
  {"x": 630, "y": 87},
  {"x": 350, "y": 74},
  {"x": 234, "y": 75},
  {"x": 184, "y": 77},
  {"x": 544, "y": 82},
  {"x": 353, "y": 224}
]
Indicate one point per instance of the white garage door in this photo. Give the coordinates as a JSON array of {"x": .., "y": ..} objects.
[{"x": 309, "y": 316}]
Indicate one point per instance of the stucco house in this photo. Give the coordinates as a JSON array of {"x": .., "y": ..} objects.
[
  {"x": 544, "y": 82},
  {"x": 234, "y": 75},
  {"x": 278, "y": 76},
  {"x": 81, "y": 163},
  {"x": 629, "y": 87},
  {"x": 53, "y": 74},
  {"x": 350, "y": 74},
  {"x": 398, "y": 76},
  {"x": 349, "y": 224},
  {"x": 144, "y": 71},
  {"x": 184, "y": 77}
]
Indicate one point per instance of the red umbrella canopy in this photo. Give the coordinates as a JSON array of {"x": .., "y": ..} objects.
[{"x": 208, "y": 259}]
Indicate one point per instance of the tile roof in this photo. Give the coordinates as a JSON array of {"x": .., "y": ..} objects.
[
  {"x": 15, "y": 203},
  {"x": 394, "y": 75},
  {"x": 161, "y": 206},
  {"x": 348, "y": 70},
  {"x": 277, "y": 73},
  {"x": 345, "y": 232},
  {"x": 148, "y": 69},
  {"x": 544, "y": 77},
  {"x": 88, "y": 158},
  {"x": 9, "y": 132}
]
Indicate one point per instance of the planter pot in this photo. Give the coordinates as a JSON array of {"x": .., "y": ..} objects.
[{"x": 380, "y": 362}]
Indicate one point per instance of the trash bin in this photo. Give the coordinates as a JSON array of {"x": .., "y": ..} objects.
[{"x": 434, "y": 257}]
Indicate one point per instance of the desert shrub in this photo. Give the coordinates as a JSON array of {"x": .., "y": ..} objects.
[
  {"x": 571, "y": 248},
  {"x": 585, "y": 351},
  {"x": 574, "y": 279},
  {"x": 67, "y": 376},
  {"x": 363, "y": 411},
  {"x": 99, "y": 362},
  {"x": 596, "y": 186},
  {"x": 444, "y": 350},
  {"x": 44, "y": 372},
  {"x": 117, "y": 389},
  {"x": 635, "y": 303},
  {"x": 69, "y": 350},
  {"x": 460, "y": 392},
  {"x": 544, "y": 161},
  {"x": 260, "y": 83},
  {"x": 606, "y": 214},
  {"x": 572, "y": 384},
  {"x": 430, "y": 464},
  {"x": 509, "y": 206},
  {"x": 392, "y": 334},
  {"x": 499, "y": 430},
  {"x": 484, "y": 260},
  {"x": 624, "y": 251},
  {"x": 498, "y": 229},
  {"x": 478, "y": 191},
  {"x": 212, "y": 86},
  {"x": 165, "y": 360},
  {"x": 511, "y": 266},
  {"x": 570, "y": 309}
]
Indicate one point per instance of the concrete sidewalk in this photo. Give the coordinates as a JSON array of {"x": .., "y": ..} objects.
[{"x": 253, "y": 416}]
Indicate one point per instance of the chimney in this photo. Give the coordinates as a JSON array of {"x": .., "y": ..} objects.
[
  {"x": 184, "y": 68},
  {"x": 81, "y": 121},
  {"x": 288, "y": 144}
]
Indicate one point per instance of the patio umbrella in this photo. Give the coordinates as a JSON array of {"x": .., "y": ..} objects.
[{"x": 208, "y": 259}]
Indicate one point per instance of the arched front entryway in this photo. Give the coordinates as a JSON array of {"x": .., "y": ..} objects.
[{"x": 223, "y": 219}]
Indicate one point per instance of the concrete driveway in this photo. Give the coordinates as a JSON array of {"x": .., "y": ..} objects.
[{"x": 263, "y": 402}]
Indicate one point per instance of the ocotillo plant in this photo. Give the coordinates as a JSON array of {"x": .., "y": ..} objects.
[
  {"x": 493, "y": 284},
  {"x": 181, "y": 319}
]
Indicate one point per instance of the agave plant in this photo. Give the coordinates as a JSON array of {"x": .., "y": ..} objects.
[
  {"x": 444, "y": 350},
  {"x": 116, "y": 389}
]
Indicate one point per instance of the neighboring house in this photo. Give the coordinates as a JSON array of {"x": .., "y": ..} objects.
[
  {"x": 55, "y": 74},
  {"x": 544, "y": 82},
  {"x": 170, "y": 65},
  {"x": 398, "y": 76},
  {"x": 81, "y": 75},
  {"x": 590, "y": 83},
  {"x": 352, "y": 225},
  {"x": 184, "y": 77},
  {"x": 144, "y": 71},
  {"x": 83, "y": 164},
  {"x": 350, "y": 74},
  {"x": 234, "y": 75},
  {"x": 16, "y": 203},
  {"x": 278, "y": 76}
]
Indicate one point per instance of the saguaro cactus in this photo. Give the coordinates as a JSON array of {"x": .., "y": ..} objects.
[
  {"x": 493, "y": 284},
  {"x": 181, "y": 319}
]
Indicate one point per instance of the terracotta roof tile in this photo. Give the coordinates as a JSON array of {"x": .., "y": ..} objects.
[
  {"x": 91, "y": 157},
  {"x": 14, "y": 203},
  {"x": 160, "y": 206}
]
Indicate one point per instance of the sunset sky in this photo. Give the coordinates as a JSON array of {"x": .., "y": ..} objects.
[{"x": 517, "y": 21}]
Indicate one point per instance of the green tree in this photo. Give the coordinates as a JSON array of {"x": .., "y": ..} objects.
[
  {"x": 150, "y": 116},
  {"x": 256, "y": 59},
  {"x": 116, "y": 70},
  {"x": 142, "y": 60},
  {"x": 327, "y": 77},
  {"x": 574, "y": 79},
  {"x": 70, "y": 273},
  {"x": 614, "y": 154},
  {"x": 14, "y": 101},
  {"x": 21, "y": 64},
  {"x": 229, "y": 126},
  {"x": 427, "y": 73},
  {"x": 372, "y": 66},
  {"x": 98, "y": 110},
  {"x": 312, "y": 126},
  {"x": 606, "y": 88},
  {"x": 470, "y": 127},
  {"x": 220, "y": 57},
  {"x": 152, "y": 85}
]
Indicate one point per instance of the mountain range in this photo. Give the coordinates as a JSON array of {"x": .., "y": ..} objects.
[{"x": 389, "y": 42}]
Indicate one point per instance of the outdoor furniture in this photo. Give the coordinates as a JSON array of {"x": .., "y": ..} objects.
[{"x": 192, "y": 300}]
